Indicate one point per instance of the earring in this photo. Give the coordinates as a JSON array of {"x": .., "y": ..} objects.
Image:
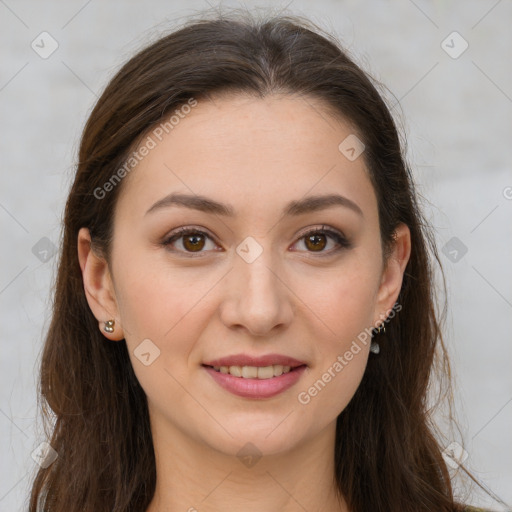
[
  {"x": 109, "y": 326},
  {"x": 381, "y": 329},
  {"x": 374, "y": 346}
]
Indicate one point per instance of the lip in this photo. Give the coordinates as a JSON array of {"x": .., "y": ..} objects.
[
  {"x": 247, "y": 360},
  {"x": 256, "y": 388}
]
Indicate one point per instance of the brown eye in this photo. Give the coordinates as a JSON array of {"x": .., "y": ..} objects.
[
  {"x": 188, "y": 241},
  {"x": 323, "y": 241},
  {"x": 316, "y": 242},
  {"x": 193, "y": 242}
]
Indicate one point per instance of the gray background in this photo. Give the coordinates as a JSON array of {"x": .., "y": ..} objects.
[{"x": 457, "y": 113}]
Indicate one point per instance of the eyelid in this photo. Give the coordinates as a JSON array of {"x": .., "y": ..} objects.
[{"x": 188, "y": 229}]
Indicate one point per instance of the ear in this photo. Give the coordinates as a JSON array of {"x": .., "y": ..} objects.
[
  {"x": 98, "y": 286},
  {"x": 392, "y": 275}
]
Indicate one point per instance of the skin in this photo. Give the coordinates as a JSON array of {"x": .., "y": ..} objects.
[{"x": 255, "y": 155}]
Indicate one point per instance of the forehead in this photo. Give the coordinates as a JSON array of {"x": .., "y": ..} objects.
[{"x": 250, "y": 152}]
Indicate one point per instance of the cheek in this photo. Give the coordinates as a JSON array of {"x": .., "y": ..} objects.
[
  {"x": 168, "y": 309},
  {"x": 166, "y": 305},
  {"x": 343, "y": 300},
  {"x": 329, "y": 389},
  {"x": 151, "y": 295},
  {"x": 343, "y": 305}
]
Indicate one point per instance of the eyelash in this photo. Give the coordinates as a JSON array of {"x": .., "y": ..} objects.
[{"x": 340, "y": 239}]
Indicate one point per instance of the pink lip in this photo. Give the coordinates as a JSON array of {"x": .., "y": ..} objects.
[
  {"x": 246, "y": 360},
  {"x": 256, "y": 388}
]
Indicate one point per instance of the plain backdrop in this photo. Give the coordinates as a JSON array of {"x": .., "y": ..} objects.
[{"x": 455, "y": 104}]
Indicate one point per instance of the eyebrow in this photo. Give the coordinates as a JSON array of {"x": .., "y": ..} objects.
[{"x": 204, "y": 204}]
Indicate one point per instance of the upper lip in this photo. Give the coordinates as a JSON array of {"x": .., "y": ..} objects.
[{"x": 247, "y": 360}]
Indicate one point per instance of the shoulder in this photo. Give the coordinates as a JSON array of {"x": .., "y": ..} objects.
[{"x": 474, "y": 509}]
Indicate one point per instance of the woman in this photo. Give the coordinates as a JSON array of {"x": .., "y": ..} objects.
[{"x": 244, "y": 314}]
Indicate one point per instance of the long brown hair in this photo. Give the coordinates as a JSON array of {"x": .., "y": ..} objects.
[{"x": 95, "y": 411}]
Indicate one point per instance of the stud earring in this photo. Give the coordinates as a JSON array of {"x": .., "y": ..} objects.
[{"x": 109, "y": 326}]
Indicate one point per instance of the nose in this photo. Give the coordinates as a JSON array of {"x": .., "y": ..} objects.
[{"x": 256, "y": 297}]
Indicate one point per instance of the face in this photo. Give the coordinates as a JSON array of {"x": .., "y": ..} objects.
[{"x": 220, "y": 250}]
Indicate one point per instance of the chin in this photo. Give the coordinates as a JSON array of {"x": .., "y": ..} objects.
[{"x": 257, "y": 437}]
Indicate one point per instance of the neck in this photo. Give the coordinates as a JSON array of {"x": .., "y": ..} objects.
[{"x": 195, "y": 477}]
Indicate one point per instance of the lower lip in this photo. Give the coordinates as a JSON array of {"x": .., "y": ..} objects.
[{"x": 256, "y": 388}]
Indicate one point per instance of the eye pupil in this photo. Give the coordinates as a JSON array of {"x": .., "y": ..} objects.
[{"x": 318, "y": 242}]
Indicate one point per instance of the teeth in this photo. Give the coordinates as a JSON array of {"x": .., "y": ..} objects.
[
  {"x": 279, "y": 370},
  {"x": 254, "y": 372},
  {"x": 264, "y": 372},
  {"x": 236, "y": 371}
]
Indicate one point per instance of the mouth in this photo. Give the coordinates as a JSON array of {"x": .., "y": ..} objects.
[{"x": 255, "y": 382}]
